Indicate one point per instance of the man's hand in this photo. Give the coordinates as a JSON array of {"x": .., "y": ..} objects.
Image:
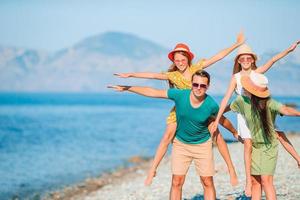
[
  {"x": 238, "y": 138},
  {"x": 119, "y": 88}
]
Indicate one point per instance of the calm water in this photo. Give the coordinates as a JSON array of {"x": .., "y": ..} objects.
[{"x": 48, "y": 141}]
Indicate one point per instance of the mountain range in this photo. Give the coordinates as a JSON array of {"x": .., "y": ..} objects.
[{"x": 89, "y": 65}]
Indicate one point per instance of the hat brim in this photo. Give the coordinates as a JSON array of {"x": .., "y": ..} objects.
[
  {"x": 253, "y": 89},
  {"x": 171, "y": 54},
  {"x": 252, "y": 54}
]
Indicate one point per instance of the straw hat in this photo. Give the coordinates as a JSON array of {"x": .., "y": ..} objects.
[
  {"x": 256, "y": 84},
  {"x": 180, "y": 47},
  {"x": 245, "y": 49}
]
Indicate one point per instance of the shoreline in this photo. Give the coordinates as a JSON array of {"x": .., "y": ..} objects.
[
  {"x": 92, "y": 188},
  {"x": 90, "y": 185}
]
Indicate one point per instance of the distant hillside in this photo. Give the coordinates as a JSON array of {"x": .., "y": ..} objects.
[{"x": 88, "y": 66}]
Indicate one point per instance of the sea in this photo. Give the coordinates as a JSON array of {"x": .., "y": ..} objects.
[{"x": 52, "y": 140}]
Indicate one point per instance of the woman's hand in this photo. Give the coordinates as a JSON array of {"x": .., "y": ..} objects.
[
  {"x": 293, "y": 46},
  {"x": 240, "y": 38},
  {"x": 214, "y": 126},
  {"x": 123, "y": 75}
]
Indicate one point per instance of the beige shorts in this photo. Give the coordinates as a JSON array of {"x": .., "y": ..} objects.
[{"x": 202, "y": 154}]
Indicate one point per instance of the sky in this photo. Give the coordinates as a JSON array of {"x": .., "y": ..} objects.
[{"x": 207, "y": 26}]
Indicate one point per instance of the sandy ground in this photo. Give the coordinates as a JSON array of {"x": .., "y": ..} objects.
[{"x": 127, "y": 184}]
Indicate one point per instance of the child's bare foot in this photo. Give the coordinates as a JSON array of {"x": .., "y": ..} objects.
[
  {"x": 150, "y": 176},
  {"x": 233, "y": 178},
  {"x": 248, "y": 189}
]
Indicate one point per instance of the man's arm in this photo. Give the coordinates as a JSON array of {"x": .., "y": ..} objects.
[
  {"x": 228, "y": 125},
  {"x": 145, "y": 91}
]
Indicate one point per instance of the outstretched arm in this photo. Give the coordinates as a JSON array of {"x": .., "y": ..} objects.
[
  {"x": 239, "y": 41},
  {"x": 224, "y": 102},
  {"x": 286, "y": 110},
  {"x": 149, "y": 75},
  {"x": 145, "y": 91},
  {"x": 288, "y": 146},
  {"x": 269, "y": 64}
]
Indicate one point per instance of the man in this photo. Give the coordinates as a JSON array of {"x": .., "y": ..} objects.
[{"x": 194, "y": 112}]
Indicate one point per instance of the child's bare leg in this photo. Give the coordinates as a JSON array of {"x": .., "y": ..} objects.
[
  {"x": 223, "y": 149},
  {"x": 288, "y": 146},
  {"x": 161, "y": 151},
  {"x": 247, "y": 160}
]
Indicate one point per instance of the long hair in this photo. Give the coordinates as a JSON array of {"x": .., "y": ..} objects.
[
  {"x": 259, "y": 106},
  {"x": 173, "y": 67},
  {"x": 237, "y": 66}
]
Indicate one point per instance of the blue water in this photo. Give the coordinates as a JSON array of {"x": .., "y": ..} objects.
[{"x": 48, "y": 141}]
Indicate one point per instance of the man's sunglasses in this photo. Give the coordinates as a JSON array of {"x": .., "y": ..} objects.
[{"x": 197, "y": 85}]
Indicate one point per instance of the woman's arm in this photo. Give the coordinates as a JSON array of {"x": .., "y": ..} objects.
[
  {"x": 224, "y": 102},
  {"x": 288, "y": 146},
  {"x": 149, "y": 75},
  {"x": 269, "y": 64},
  {"x": 286, "y": 110},
  {"x": 145, "y": 91},
  {"x": 239, "y": 41}
]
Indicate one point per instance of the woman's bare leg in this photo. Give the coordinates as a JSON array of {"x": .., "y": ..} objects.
[
  {"x": 268, "y": 186},
  {"x": 247, "y": 161},
  {"x": 256, "y": 187},
  {"x": 223, "y": 149},
  {"x": 161, "y": 151}
]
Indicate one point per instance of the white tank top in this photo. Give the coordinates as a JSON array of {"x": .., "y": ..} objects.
[
  {"x": 242, "y": 127},
  {"x": 239, "y": 87}
]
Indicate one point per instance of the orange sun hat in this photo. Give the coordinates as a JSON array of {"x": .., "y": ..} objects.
[
  {"x": 180, "y": 47},
  {"x": 256, "y": 84}
]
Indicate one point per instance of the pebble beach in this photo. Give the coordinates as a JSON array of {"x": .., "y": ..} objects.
[{"x": 128, "y": 184}]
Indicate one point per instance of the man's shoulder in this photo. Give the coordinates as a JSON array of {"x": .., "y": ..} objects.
[
  {"x": 211, "y": 100},
  {"x": 173, "y": 92},
  {"x": 179, "y": 90}
]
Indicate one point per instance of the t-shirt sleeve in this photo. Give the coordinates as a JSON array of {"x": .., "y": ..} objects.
[
  {"x": 235, "y": 105},
  {"x": 198, "y": 66},
  {"x": 173, "y": 94},
  {"x": 275, "y": 106},
  {"x": 215, "y": 109},
  {"x": 171, "y": 76}
]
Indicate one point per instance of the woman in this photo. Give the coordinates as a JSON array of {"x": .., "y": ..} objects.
[
  {"x": 259, "y": 112},
  {"x": 245, "y": 65}
]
